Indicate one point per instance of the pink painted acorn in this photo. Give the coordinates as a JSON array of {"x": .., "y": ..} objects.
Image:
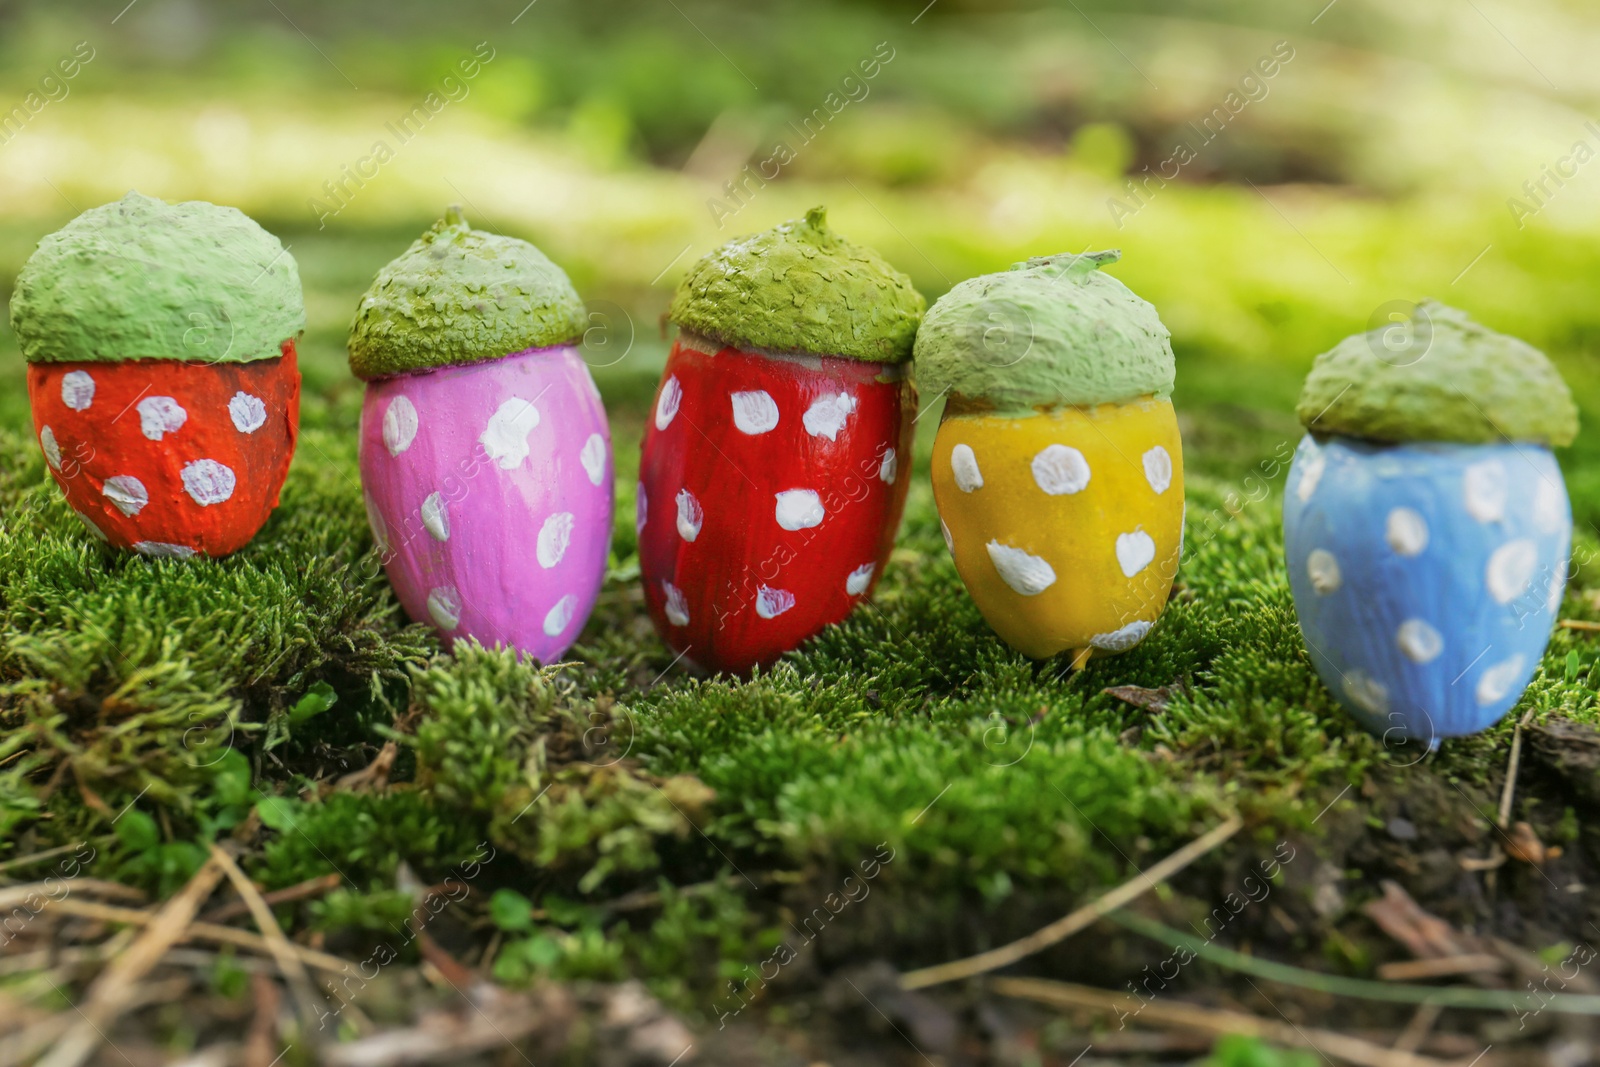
[{"x": 485, "y": 452}]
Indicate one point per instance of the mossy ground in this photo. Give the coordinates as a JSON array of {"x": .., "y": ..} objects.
[{"x": 614, "y": 816}]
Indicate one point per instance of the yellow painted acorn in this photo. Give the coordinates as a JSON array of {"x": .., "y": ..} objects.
[{"x": 1057, "y": 469}]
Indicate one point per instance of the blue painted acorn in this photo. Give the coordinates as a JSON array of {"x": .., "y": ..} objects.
[{"x": 1425, "y": 522}]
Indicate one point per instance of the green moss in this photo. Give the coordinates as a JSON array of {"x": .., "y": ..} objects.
[
  {"x": 1053, "y": 330},
  {"x": 363, "y": 838},
  {"x": 144, "y": 279},
  {"x": 133, "y": 677},
  {"x": 1443, "y": 377},
  {"x": 512, "y": 743},
  {"x": 460, "y": 295},
  {"x": 800, "y": 287}
]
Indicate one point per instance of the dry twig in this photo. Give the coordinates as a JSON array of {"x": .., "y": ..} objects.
[
  {"x": 15, "y": 896},
  {"x": 200, "y": 931},
  {"x": 1444, "y": 967},
  {"x": 311, "y": 887},
  {"x": 1417, "y": 1030},
  {"x": 294, "y": 971},
  {"x": 1180, "y": 1015},
  {"x": 1065, "y": 927},
  {"x": 114, "y": 990},
  {"x": 260, "y": 1046},
  {"x": 1510, "y": 788}
]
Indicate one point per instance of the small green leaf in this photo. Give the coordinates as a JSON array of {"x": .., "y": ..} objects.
[
  {"x": 227, "y": 977},
  {"x": 232, "y": 782},
  {"x": 509, "y": 966},
  {"x": 318, "y": 699},
  {"x": 542, "y": 951},
  {"x": 137, "y": 830},
  {"x": 277, "y": 813},
  {"x": 511, "y": 911}
]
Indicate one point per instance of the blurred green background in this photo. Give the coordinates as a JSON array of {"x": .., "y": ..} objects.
[{"x": 1294, "y": 166}]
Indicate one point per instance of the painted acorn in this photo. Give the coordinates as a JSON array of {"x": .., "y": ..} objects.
[
  {"x": 1057, "y": 469},
  {"x": 162, "y": 373},
  {"x": 1425, "y": 522},
  {"x": 485, "y": 450},
  {"x": 777, "y": 454}
]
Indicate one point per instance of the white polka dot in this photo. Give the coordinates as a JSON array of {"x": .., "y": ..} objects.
[
  {"x": 93, "y": 529},
  {"x": 949, "y": 542},
  {"x": 667, "y": 403},
  {"x": 436, "y": 517},
  {"x": 380, "y": 529},
  {"x": 827, "y": 414},
  {"x": 77, "y": 390},
  {"x": 554, "y": 537},
  {"x": 754, "y": 412},
  {"x": 770, "y": 603},
  {"x": 859, "y": 579},
  {"x": 677, "y": 607},
  {"x": 1135, "y": 551},
  {"x": 1406, "y": 531},
  {"x": 1549, "y": 506},
  {"x": 1323, "y": 570},
  {"x": 399, "y": 425},
  {"x": 127, "y": 493},
  {"x": 799, "y": 509},
  {"x": 1367, "y": 693},
  {"x": 52, "y": 450},
  {"x": 964, "y": 466},
  {"x": 1158, "y": 469},
  {"x": 1025, "y": 573},
  {"x": 249, "y": 414},
  {"x": 1484, "y": 491},
  {"x": 560, "y": 615},
  {"x": 1122, "y": 639},
  {"x": 690, "y": 516},
  {"x": 1060, "y": 470},
  {"x": 1510, "y": 569},
  {"x": 505, "y": 439},
  {"x": 641, "y": 508},
  {"x": 1310, "y": 472},
  {"x": 207, "y": 481},
  {"x": 160, "y": 415},
  {"x": 163, "y": 550},
  {"x": 593, "y": 458},
  {"x": 1419, "y": 641},
  {"x": 444, "y": 607},
  {"x": 889, "y": 468},
  {"x": 1494, "y": 684}
]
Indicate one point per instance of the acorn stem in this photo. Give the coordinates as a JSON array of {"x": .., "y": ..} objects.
[{"x": 1072, "y": 265}]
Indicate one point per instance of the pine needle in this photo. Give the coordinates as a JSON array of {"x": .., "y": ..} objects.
[{"x": 1361, "y": 988}]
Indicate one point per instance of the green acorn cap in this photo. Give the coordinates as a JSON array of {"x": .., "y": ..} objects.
[
  {"x": 801, "y": 288},
  {"x": 143, "y": 279},
  {"x": 1051, "y": 331},
  {"x": 1447, "y": 379},
  {"x": 460, "y": 295}
]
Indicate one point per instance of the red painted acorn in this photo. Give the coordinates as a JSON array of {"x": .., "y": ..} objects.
[
  {"x": 777, "y": 455},
  {"x": 160, "y": 341}
]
